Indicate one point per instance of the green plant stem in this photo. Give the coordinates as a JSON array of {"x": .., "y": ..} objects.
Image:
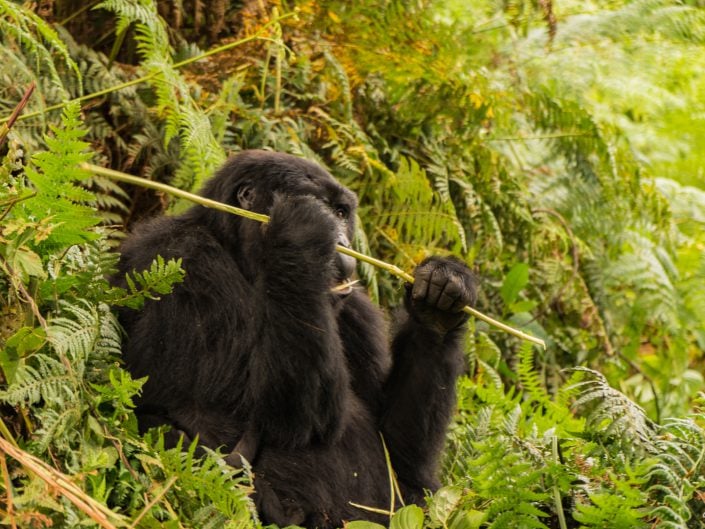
[
  {"x": 147, "y": 77},
  {"x": 5, "y": 432},
  {"x": 556, "y": 492},
  {"x": 154, "y": 501},
  {"x": 206, "y": 202}
]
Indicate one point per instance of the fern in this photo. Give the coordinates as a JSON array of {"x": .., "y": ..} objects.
[
  {"x": 200, "y": 152},
  {"x": 222, "y": 492},
  {"x": 528, "y": 375},
  {"x": 430, "y": 223},
  {"x": 677, "y": 475},
  {"x": 60, "y": 202},
  {"x": 607, "y": 510},
  {"x": 48, "y": 381},
  {"x": 82, "y": 330},
  {"x": 613, "y": 414},
  {"x": 37, "y": 37},
  {"x": 160, "y": 278}
]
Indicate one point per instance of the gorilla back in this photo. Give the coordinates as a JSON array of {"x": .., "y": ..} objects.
[{"x": 260, "y": 351}]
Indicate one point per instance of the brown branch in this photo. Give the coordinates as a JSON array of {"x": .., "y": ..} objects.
[{"x": 5, "y": 127}]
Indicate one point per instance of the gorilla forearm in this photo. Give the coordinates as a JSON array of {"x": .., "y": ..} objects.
[
  {"x": 419, "y": 403},
  {"x": 427, "y": 359},
  {"x": 298, "y": 385},
  {"x": 299, "y": 381}
]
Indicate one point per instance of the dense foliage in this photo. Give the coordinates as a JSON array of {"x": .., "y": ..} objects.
[{"x": 557, "y": 149}]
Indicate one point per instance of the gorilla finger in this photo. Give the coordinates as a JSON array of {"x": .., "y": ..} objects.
[
  {"x": 435, "y": 286},
  {"x": 459, "y": 305},
  {"x": 445, "y": 302},
  {"x": 451, "y": 293},
  {"x": 421, "y": 281}
]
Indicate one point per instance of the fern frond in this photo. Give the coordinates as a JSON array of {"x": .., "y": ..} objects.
[
  {"x": 55, "y": 175},
  {"x": 56, "y": 423},
  {"x": 210, "y": 480},
  {"x": 84, "y": 329},
  {"x": 50, "y": 381},
  {"x": 200, "y": 153},
  {"x": 432, "y": 222},
  {"x": 38, "y": 38},
  {"x": 159, "y": 279},
  {"x": 611, "y": 412}
]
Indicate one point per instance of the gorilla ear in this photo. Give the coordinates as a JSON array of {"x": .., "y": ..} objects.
[{"x": 246, "y": 196}]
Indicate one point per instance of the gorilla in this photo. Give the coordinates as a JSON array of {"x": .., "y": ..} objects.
[{"x": 267, "y": 352}]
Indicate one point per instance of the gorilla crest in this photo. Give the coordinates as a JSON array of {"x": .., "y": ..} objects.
[{"x": 257, "y": 352}]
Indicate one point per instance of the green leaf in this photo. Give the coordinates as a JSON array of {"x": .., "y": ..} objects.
[
  {"x": 471, "y": 519},
  {"x": 514, "y": 282},
  {"x": 9, "y": 362},
  {"x": 443, "y": 504},
  {"x": 28, "y": 263},
  {"x": 526, "y": 305},
  {"x": 409, "y": 517},
  {"x": 362, "y": 524},
  {"x": 27, "y": 339}
]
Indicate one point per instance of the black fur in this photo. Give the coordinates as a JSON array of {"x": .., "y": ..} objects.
[{"x": 253, "y": 352}]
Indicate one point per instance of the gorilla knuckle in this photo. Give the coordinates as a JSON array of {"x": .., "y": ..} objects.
[
  {"x": 444, "y": 284},
  {"x": 454, "y": 287}
]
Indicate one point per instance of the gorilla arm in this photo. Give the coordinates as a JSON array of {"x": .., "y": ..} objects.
[
  {"x": 299, "y": 381},
  {"x": 427, "y": 358}
]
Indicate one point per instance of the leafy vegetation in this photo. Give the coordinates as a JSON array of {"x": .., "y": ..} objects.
[{"x": 556, "y": 148}]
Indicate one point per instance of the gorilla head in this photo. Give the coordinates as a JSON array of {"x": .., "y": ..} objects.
[{"x": 258, "y": 180}]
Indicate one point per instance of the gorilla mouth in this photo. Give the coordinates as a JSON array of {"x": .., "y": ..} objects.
[{"x": 345, "y": 288}]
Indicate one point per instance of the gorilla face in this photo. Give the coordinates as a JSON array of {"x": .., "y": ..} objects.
[{"x": 261, "y": 177}]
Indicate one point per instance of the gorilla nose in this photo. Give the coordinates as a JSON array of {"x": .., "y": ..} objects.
[{"x": 345, "y": 265}]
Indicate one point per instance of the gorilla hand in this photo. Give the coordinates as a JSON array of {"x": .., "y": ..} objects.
[
  {"x": 442, "y": 287},
  {"x": 300, "y": 239}
]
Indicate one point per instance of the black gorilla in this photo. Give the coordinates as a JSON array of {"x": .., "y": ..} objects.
[{"x": 259, "y": 353}]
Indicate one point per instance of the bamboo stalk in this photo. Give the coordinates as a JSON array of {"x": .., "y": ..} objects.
[{"x": 206, "y": 202}]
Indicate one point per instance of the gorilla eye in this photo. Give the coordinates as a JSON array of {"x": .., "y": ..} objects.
[{"x": 341, "y": 212}]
